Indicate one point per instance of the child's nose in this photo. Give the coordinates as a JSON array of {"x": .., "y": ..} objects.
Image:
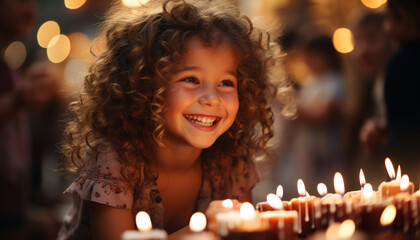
[{"x": 209, "y": 97}]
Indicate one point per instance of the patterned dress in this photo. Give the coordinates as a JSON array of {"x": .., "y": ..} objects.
[{"x": 101, "y": 181}]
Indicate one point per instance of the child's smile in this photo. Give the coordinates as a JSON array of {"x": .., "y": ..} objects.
[{"x": 203, "y": 99}]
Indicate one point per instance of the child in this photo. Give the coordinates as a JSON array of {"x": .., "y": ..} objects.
[{"x": 172, "y": 112}]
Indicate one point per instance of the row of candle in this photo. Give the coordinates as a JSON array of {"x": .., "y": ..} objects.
[{"x": 393, "y": 207}]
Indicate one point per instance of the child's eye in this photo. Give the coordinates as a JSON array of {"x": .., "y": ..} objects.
[
  {"x": 227, "y": 83},
  {"x": 192, "y": 80}
]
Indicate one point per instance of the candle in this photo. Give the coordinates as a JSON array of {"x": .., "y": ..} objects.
[
  {"x": 393, "y": 187},
  {"x": 219, "y": 206},
  {"x": 197, "y": 225},
  {"x": 305, "y": 206},
  {"x": 144, "y": 224},
  {"x": 283, "y": 223},
  {"x": 246, "y": 224},
  {"x": 273, "y": 203},
  {"x": 333, "y": 207}
]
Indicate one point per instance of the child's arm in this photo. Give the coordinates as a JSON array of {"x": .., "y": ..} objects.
[{"x": 109, "y": 222}]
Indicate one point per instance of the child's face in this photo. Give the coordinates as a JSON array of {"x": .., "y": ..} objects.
[{"x": 203, "y": 97}]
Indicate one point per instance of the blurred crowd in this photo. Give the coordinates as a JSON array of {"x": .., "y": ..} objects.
[{"x": 353, "y": 110}]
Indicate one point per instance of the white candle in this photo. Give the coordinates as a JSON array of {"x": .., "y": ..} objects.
[{"x": 144, "y": 224}]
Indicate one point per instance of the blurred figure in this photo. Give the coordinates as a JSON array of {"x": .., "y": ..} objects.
[
  {"x": 18, "y": 94},
  {"x": 318, "y": 149},
  {"x": 372, "y": 50},
  {"x": 402, "y": 86}
]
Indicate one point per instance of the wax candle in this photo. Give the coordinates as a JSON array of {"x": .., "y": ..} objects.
[
  {"x": 283, "y": 223},
  {"x": 333, "y": 207},
  {"x": 393, "y": 187},
  {"x": 219, "y": 206},
  {"x": 275, "y": 204},
  {"x": 305, "y": 206},
  {"x": 245, "y": 224},
  {"x": 144, "y": 224},
  {"x": 197, "y": 226}
]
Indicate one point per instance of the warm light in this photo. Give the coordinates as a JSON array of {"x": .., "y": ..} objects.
[
  {"x": 390, "y": 168},
  {"x": 74, "y": 4},
  {"x": 405, "y": 181},
  {"x": 388, "y": 215},
  {"x": 80, "y": 45},
  {"x": 58, "y": 48},
  {"x": 339, "y": 183},
  {"x": 198, "y": 222},
  {"x": 227, "y": 204},
  {"x": 279, "y": 191},
  {"x": 373, "y": 3},
  {"x": 332, "y": 231},
  {"x": 15, "y": 54},
  {"x": 362, "y": 178},
  {"x": 398, "y": 172},
  {"x": 274, "y": 201},
  {"x": 74, "y": 73},
  {"x": 343, "y": 40},
  {"x": 368, "y": 191},
  {"x": 322, "y": 189},
  {"x": 46, "y": 32},
  {"x": 301, "y": 188},
  {"x": 143, "y": 221},
  {"x": 247, "y": 211},
  {"x": 346, "y": 229},
  {"x": 134, "y": 3}
]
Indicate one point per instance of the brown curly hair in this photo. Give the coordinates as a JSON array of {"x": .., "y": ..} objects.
[{"x": 124, "y": 93}]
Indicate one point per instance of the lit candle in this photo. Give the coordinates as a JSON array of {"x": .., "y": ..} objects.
[
  {"x": 144, "y": 224},
  {"x": 305, "y": 206},
  {"x": 197, "y": 226},
  {"x": 246, "y": 224},
  {"x": 266, "y": 206},
  {"x": 393, "y": 187},
  {"x": 357, "y": 196},
  {"x": 333, "y": 208},
  {"x": 406, "y": 213},
  {"x": 322, "y": 189},
  {"x": 219, "y": 206}
]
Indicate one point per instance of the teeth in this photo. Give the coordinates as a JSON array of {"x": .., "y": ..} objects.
[{"x": 203, "y": 121}]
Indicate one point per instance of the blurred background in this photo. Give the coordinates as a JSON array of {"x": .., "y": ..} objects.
[{"x": 332, "y": 61}]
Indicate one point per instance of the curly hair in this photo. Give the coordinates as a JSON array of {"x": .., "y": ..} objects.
[{"x": 124, "y": 92}]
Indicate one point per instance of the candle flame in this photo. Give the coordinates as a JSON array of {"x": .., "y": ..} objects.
[
  {"x": 362, "y": 178},
  {"x": 388, "y": 215},
  {"x": 143, "y": 221},
  {"x": 247, "y": 211},
  {"x": 398, "y": 172},
  {"x": 198, "y": 222},
  {"x": 405, "y": 181},
  {"x": 279, "y": 191},
  {"x": 390, "y": 168},
  {"x": 322, "y": 189},
  {"x": 274, "y": 201},
  {"x": 368, "y": 191},
  {"x": 301, "y": 188},
  {"x": 346, "y": 229},
  {"x": 339, "y": 183},
  {"x": 227, "y": 204}
]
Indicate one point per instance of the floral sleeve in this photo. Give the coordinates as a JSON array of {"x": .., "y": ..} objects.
[
  {"x": 101, "y": 180},
  {"x": 243, "y": 179}
]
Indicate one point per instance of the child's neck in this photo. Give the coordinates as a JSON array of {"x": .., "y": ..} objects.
[{"x": 176, "y": 158}]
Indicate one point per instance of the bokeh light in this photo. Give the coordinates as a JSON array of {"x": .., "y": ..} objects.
[
  {"x": 343, "y": 40},
  {"x": 15, "y": 54},
  {"x": 373, "y": 3},
  {"x": 46, "y": 32},
  {"x": 80, "y": 45},
  {"x": 134, "y": 3},
  {"x": 75, "y": 72},
  {"x": 58, "y": 48},
  {"x": 74, "y": 4}
]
